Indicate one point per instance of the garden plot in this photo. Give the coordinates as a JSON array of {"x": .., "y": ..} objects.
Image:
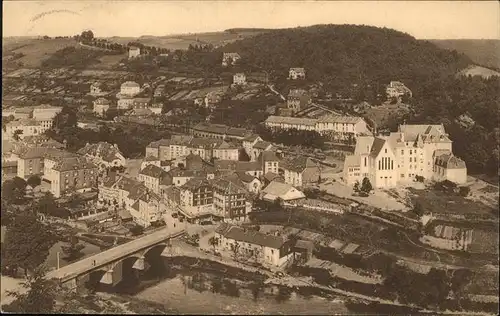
[{"x": 343, "y": 272}]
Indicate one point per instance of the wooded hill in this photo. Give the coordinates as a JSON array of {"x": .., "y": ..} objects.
[{"x": 348, "y": 53}]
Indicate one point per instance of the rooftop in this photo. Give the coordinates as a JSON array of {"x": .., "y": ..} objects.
[
  {"x": 290, "y": 120},
  {"x": 330, "y": 118},
  {"x": 153, "y": 171},
  {"x": 250, "y": 236},
  {"x": 298, "y": 163},
  {"x": 103, "y": 150},
  {"x": 73, "y": 163}
]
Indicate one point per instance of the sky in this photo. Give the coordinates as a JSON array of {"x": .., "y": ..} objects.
[{"x": 421, "y": 19}]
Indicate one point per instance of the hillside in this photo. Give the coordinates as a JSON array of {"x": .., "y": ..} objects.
[
  {"x": 482, "y": 52},
  {"x": 184, "y": 40},
  {"x": 346, "y": 53},
  {"x": 34, "y": 50}
]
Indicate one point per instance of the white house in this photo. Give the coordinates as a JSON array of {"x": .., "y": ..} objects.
[
  {"x": 104, "y": 155},
  {"x": 239, "y": 79},
  {"x": 45, "y": 112},
  {"x": 397, "y": 89},
  {"x": 269, "y": 250},
  {"x": 296, "y": 73},
  {"x": 229, "y": 59},
  {"x": 283, "y": 191},
  {"x": 133, "y": 52},
  {"x": 130, "y": 89},
  {"x": 101, "y": 106}
]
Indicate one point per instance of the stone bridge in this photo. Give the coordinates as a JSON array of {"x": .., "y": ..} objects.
[{"x": 107, "y": 267}]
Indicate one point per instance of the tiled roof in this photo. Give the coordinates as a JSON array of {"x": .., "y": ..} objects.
[
  {"x": 277, "y": 188},
  {"x": 194, "y": 184},
  {"x": 103, "y": 150},
  {"x": 261, "y": 145},
  {"x": 153, "y": 171},
  {"x": 300, "y": 69},
  {"x": 130, "y": 84},
  {"x": 449, "y": 161},
  {"x": 378, "y": 143},
  {"x": 220, "y": 129},
  {"x": 251, "y": 138},
  {"x": 24, "y": 122},
  {"x": 246, "y": 178},
  {"x": 271, "y": 176},
  {"x": 297, "y": 93},
  {"x": 73, "y": 163},
  {"x": 178, "y": 172},
  {"x": 290, "y": 120},
  {"x": 228, "y": 185},
  {"x": 158, "y": 143},
  {"x": 352, "y": 161},
  {"x": 267, "y": 155},
  {"x": 198, "y": 142},
  {"x": 102, "y": 101},
  {"x": 41, "y": 152},
  {"x": 298, "y": 163},
  {"x": 228, "y": 145},
  {"x": 330, "y": 118},
  {"x": 142, "y": 100},
  {"x": 432, "y": 133},
  {"x": 250, "y": 236},
  {"x": 181, "y": 139},
  {"x": 140, "y": 112}
]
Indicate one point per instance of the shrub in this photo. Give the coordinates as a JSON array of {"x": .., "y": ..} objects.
[{"x": 464, "y": 191}]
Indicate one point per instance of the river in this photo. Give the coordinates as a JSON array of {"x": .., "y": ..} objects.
[{"x": 193, "y": 286}]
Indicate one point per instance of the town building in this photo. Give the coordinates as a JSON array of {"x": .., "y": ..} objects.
[
  {"x": 397, "y": 89},
  {"x": 298, "y": 99},
  {"x": 250, "y": 183},
  {"x": 218, "y": 131},
  {"x": 125, "y": 103},
  {"x": 230, "y": 200},
  {"x": 194, "y": 200},
  {"x": 398, "y": 158},
  {"x": 97, "y": 89},
  {"x": 73, "y": 174},
  {"x": 230, "y": 59},
  {"x": 101, "y": 106},
  {"x": 286, "y": 122},
  {"x": 239, "y": 79},
  {"x": 117, "y": 192},
  {"x": 130, "y": 89},
  {"x": 227, "y": 150},
  {"x": 340, "y": 127},
  {"x": 296, "y": 73},
  {"x": 268, "y": 162},
  {"x": 449, "y": 167},
  {"x": 147, "y": 209},
  {"x": 283, "y": 191},
  {"x": 250, "y": 245},
  {"x": 142, "y": 103},
  {"x": 155, "y": 178},
  {"x": 134, "y": 52},
  {"x": 25, "y": 127},
  {"x": 45, "y": 112},
  {"x": 301, "y": 171},
  {"x": 104, "y": 155}
]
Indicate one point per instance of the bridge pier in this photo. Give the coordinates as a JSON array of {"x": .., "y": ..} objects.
[
  {"x": 141, "y": 264},
  {"x": 113, "y": 275}
]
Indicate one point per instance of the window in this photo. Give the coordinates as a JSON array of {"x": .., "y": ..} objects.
[
  {"x": 402, "y": 175},
  {"x": 386, "y": 150},
  {"x": 402, "y": 152},
  {"x": 365, "y": 161}
]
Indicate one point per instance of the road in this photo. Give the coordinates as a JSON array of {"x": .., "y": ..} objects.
[{"x": 103, "y": 258}]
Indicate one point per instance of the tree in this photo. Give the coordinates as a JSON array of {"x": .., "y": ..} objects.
[
  {"x": 136, "y": 230},
  {"x": 65, "y": 119},
  {"x": 34, "y": 181},
  {"x": 235, "y": 247},
  {"x": 356, "y": 187},
  {"x": 73, "y": 249},
  {"x": 40, "y": 297},
  {"x": 213, "y": 241},
  {"x": 418, "y": 209},
  {"x": 27, "y": 242},
  {"x": 16, "y": 134},
  {"x": 464, "y": 191},
  {"x": 13, "y": 190},
  {"x": 366, "y": 186},
  {"x": 87, "y": 36}
]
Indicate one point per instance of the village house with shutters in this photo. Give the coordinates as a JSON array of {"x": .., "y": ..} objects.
[{"x": 296, "y": 73}]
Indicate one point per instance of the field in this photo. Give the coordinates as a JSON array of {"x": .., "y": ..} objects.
[
  {"x": 35, "y": 50},
  {"x": 108, "y": 61},
  {"x": 479, "y": 71},
  {"x": 183, "y": 41}
]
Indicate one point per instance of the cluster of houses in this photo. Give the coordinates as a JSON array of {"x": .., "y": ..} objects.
[
  {"x": 29, "y": 121},
  {"x": 204, "y": 178},
  {"x": 129, "y": 98}
]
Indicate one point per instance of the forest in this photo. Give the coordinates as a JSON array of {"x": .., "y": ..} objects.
[{"x": 340, "y": 55}]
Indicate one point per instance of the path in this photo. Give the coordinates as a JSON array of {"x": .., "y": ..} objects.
[{"x": 271, "y": 87}]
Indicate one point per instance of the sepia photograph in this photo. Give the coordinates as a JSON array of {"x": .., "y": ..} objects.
[{"x": 250, "y": 157}]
